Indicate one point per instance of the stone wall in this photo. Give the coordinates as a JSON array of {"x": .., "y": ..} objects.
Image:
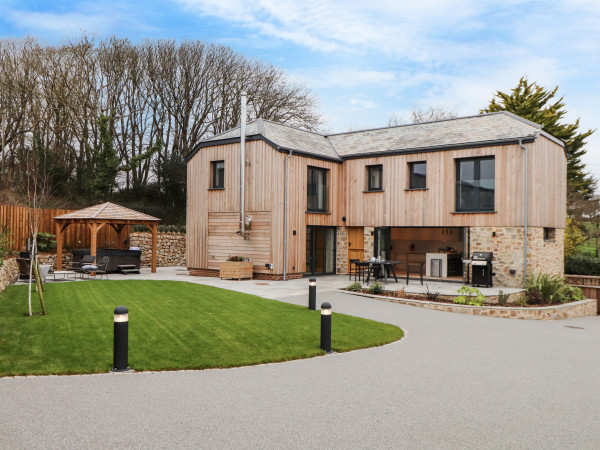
[
  {"x": 369, "y": 235},
  {"x": 170, "y": 248},
  {"x": 341, "y": 252},
  {"x": 507, "y": 245},
  {"x": 8, "y": 272}
]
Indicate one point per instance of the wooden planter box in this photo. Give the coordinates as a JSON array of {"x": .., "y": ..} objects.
[{"x": 236, "y": 269}]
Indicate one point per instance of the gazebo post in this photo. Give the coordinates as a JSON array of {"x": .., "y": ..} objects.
[
  {"x": 59, "y": 245},
  {"x": 154, "y": 230},
  {"x": 93, "y": 234}
]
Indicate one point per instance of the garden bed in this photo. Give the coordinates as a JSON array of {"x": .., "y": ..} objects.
[{"x": 579, "y": 308}]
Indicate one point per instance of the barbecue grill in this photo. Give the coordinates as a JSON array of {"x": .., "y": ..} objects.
[{"x": 481, "y": 269}]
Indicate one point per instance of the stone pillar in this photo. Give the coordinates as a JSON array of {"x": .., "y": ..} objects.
[
  {"x": 341, "y": 250},
  {"x": 369, "y": 242}
]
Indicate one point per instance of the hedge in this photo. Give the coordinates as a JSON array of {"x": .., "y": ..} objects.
[{"x": 582, "y": 265}]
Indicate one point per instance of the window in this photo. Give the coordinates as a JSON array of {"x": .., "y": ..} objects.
[
  {"x": 218, "y": 174},
  {"x": 417, "y": 175},
  {"x": 374, "y": 175},
  {"x": 549, "y": 234},
  {"x": 475, "y": 184},
  {"x": 317, "y": 189}
]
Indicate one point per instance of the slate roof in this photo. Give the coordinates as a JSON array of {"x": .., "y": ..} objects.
[
  {"x": 484, "y": 129},
  {"x": 107, "y": 211}
]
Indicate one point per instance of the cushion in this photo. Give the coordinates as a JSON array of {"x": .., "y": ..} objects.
[{"x": 89, "y": 267}]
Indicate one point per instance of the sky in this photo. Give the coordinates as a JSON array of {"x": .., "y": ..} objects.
[{"x": 367, "y": 61}]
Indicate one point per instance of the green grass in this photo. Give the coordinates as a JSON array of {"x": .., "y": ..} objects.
[{"x": 172, "y": 325}]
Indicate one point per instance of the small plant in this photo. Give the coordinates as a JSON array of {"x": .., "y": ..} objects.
[
  {"x": 431, "y": 295},
  {"x": 502, "y": 298},
  {"x": 377, "y": 288},
  {"x": 5, "y": 242},
  {"x": 236, "y": 258},
  {"x": 355, "y": 287},
  {"x": 46, "y": 242},
  {"x": 470, "y": 296}
]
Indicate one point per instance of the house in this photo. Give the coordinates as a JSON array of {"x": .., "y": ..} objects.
[{"x": 316, "y": 201}]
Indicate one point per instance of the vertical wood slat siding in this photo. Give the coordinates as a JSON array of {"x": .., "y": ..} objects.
[
  {"x": 347, "y": 183},
  {"x": 435, "y": 206},
  {"x": 16, "y": 219}
]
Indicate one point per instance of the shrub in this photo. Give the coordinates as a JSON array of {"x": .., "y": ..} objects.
[
  {"x": 582, "y": 265},
  {"x": 502, "y": 298},
  {"x": 161, "y": 229},
  {"x": 546, "y": 289},
  {"x": 5, "y": 242},
  {"x": 431, "y": 295},
  {"x": 377, "y": 288},
  {"x": 470, "y": 296},
  {"x": 355, "y": 287},
  {"x": 46, "y": 242}
]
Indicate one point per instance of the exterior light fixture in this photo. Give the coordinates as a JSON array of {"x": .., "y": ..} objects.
[
  {"x": 326, "y": 327},
  {"x": 121, "y": 338},
  {"x": 312, "y": 294}
]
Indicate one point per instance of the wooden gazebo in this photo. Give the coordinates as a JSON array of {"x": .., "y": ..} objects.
[{"x": 104, "y": 214}]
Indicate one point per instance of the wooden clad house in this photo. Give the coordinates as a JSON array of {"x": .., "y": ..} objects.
[{"x": 404, "y": 193}]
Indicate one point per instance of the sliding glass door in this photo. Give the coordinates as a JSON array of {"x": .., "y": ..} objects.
[{"x": 320, "y": 250}]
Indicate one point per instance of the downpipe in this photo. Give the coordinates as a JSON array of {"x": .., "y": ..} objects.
[
  {"x": 285, "y": 203},
  {"x": 525, "y": 239}
]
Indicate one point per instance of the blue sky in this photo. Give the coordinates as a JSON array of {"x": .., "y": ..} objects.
[{"x": 368, "y": 60}]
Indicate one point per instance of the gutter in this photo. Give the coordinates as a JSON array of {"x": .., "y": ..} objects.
[
  {"x": 285, "y": 203},
  {"x": 525, "y": 242}
]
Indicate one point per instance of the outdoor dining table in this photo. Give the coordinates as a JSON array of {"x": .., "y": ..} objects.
[{"x": 384, "y": 266}]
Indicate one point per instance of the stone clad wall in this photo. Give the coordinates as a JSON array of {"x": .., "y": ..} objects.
[
  {"x": 507, "y": 245},
  {"x": 8, "y": 272},
  {"x": 170, "y": 249},
  {"x": 341, "y": 252}
]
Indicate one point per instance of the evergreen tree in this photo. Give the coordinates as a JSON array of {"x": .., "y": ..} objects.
[
  {"x": 533, "y": 102},
  {"x": 107, "y": 162}
]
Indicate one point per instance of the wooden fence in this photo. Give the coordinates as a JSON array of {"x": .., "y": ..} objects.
[{"x": 16, "y": 219}]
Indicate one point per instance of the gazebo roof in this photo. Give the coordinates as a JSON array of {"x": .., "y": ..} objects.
[{"x": 109, "y": 212}]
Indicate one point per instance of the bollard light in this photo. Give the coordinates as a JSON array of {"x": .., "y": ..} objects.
[
  {"x": 121, "y": 338},
  {"x": 312, "y": 294},
  {"x": 326, "y": 327}
]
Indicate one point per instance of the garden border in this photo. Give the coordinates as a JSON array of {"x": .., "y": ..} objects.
[{"x": 581, "y": 308}]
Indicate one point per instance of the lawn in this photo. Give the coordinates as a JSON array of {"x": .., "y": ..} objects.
[{"x": 172, "y": 325}]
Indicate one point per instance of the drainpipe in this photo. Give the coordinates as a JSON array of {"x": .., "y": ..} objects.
[
  {"x": 526, "y": 211},
  {"x": 242, "y": 162},
  {"x": 285, "y": 202}
]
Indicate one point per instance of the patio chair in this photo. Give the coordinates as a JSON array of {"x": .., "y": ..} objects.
[
  {"x": 86, "y": 260},
  {"x": 415, "y": 267},
  {"x": 361, "y": 271},
  {"x": 97, "y": 269},
  {"x": 350, "y": 270}
]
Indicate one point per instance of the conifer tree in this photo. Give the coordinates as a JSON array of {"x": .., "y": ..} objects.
[{"x": 533, "y": 102}]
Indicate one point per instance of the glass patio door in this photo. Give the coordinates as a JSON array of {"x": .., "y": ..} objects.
[{"x": 320, "y": 250}]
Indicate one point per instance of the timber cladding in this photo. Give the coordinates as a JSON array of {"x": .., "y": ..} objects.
[
  {"x": 16, "y": 219},
  {"x": 223, "y": 242}
]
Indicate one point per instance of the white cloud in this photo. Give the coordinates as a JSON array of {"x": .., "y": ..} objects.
[{"x": 362, "y": 104}]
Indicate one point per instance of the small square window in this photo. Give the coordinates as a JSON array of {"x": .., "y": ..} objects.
[
  {"x": 549, "y": 234},
  {"x": 418, "y": 175},
  {"x": 218, "y": 174},
  {"x": 375, "y": 176}
]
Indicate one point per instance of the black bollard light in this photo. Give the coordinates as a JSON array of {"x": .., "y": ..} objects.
[
  {"x": 312, "y": 294},
  {"x": 326, "y": 327},
  {"x": 120, "y": 351}
]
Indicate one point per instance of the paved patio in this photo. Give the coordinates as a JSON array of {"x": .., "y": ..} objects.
[{"x": 454, "y": 381}]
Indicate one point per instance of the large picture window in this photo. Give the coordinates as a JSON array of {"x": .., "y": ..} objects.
[
  {"x": 317, "y": 189},
  {"x": 218, "y": 174},
  {"x": 418, "y": 175},
  {"x": 475, "y": 184}
]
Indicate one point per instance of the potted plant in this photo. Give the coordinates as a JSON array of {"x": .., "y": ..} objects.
[{"x": 236, "y": 267}]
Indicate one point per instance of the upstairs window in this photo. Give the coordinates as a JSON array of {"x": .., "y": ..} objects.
[
  {"x": 218, "y": 174},
  {"x": 417, "y": 175},
  {"x": 549, "y": 234},
  {"x": 475, "y": 184},
  {"x": 374, "y": 175},
  {"x": 317, "y": 189}
]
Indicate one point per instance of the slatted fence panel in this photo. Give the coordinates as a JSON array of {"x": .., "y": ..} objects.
[{"x": 17, "y": 220}]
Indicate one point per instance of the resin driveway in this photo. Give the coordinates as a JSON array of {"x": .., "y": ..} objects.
[{"x": 454, "y": 381}]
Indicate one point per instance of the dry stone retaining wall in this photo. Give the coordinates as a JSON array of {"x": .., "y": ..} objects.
[
  {"x": 8, "y": 272},
  {"x": 170, "y": 248}
]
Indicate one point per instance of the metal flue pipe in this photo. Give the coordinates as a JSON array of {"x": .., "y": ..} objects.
[{"x": 242, "y": 162}]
